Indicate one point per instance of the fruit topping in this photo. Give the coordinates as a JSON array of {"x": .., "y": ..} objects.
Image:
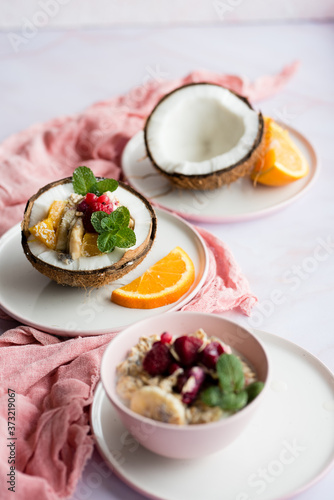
[
  {"x": 210, "y": 354},
  {"x": 90, "y": 204},
  {"x": 166, "y": 338},
  {"x": 186, "y": 349},
  {"x": 158, "y": 359},
  {"x": 189, "y": 383}
]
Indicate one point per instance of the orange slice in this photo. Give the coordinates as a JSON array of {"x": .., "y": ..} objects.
[
  {"x": 55, "y": 212},
  {"x": 163, "y": 283},
  {"x": 89, "y": 245},
  {"x": 45, "y": 231},
  {"x": 282, "y": 162}
]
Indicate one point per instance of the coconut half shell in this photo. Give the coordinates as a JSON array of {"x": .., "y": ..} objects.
[
  {"x": 173, "y": 139},
  {"x": 93, "y": 277}
]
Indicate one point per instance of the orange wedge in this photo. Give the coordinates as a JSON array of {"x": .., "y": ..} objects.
[
  {"x": 282, "y": 162},
  {"x": 163, "y": 283},
  {"x": 45, "y": 231},
  {"x": 89, "y": 245}
]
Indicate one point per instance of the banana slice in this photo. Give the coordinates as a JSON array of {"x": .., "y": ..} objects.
[
  {"x": 64, "y": 227},
  {"x": 75, "y": 238},
  {"x": 153, "y": 402}
]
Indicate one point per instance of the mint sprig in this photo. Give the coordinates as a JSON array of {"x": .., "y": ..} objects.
[
  {"x": 84, "y": 181},
  {"x": 230, "y": 394},
  {"x": 113, "y": 230},
  {"x": 230, "y": 373}
]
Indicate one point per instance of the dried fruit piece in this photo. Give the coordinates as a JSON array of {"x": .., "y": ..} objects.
[
  {"x": 186, "y": 348},
  {"x": 210, "y": 354},
  {"x": 189, "y": 383},
  {"x": 158, "y": 359}
]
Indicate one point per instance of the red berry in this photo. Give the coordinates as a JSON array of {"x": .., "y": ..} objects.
[
  {"x": 173, "y": 367},
  {"x": 166, "y": 338},
  {"x": 186, "y": 347},
  {"x": 83, "y": 206},
  {"x": 157, "y": 360},
  {"x": 104, "y": 198},
  {"x": 194, "y": 378},
  {"x": 210, "y": 354},
  {"x": 86, "y": 221},
  {"x": 101, "y": 207},
  {"x": 90, "y": 198}
]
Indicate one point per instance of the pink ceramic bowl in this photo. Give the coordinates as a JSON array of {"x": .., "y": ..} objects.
[{"x": 188, "y": 441}]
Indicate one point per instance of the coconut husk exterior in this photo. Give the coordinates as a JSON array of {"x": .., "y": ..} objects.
[
  {"x": 219, "y": 178},
  {"x": 97, "y": 277}
]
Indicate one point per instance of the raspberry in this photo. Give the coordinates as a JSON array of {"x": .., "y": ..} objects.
[
  {"x": 158, "y": 359},
  {"x": 91, "y": 203},
  {"x": 166, "y": 338},
  {"x": 102, "y": 207},
  {"x": 104, "y": 198},
  {"x": 90, "y": 198},
  {"x": 210, "y": 354},
  {"x": 189, "y": 392},
  {"x": 186, "y": 347}
]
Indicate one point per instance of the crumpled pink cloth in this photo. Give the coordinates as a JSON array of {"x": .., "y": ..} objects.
[
  {"x": 54, "y": 382},
  {"x": 54, "y": 379}
]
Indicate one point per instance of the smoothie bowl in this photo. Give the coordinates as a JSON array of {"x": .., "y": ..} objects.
[{"x": 185, "y": 384}]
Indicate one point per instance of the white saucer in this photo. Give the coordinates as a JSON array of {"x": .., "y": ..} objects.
[
  {"x": 287, "y": 447},
  {"x": 238, "y": 202},
  {"x": 33, "y": 299}
]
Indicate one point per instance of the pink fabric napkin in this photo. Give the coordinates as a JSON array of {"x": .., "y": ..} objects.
[{"x": 54, "y": 379}]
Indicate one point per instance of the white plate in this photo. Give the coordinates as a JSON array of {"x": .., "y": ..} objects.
[
  {"x": 33, "y": 299},
  {"x": 238, "y": 202},
  {"x": 287, "y": 446}
]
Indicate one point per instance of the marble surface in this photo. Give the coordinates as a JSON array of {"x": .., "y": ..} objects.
[
  {"x": 45, "y": 14},
  {"x": 60, "y": 72}
]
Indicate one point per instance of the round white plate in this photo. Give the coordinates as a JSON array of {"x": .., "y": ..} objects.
[
  {"x": 33, "y": 299},
  {"x": 238, "y": 202},
  {"x": 287, "y": 446}
]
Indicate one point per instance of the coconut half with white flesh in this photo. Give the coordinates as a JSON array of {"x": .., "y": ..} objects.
[
  {"x": 202, "y": 135},
  {"x": 83, "y": 271}
]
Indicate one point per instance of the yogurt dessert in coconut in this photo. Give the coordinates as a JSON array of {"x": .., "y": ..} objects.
[
  {"x": 202, "y": 136},
  {"x": 84, "y": 231}
]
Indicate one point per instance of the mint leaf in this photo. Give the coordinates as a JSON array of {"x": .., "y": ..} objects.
[
  {"x": 234, "y": 402},
  {"x": 113, "y": 230},
  {"x": 83, "y": 180},
  {"x": 254, "y": 390},
  {"x": 106, "y": 242},
  {"x": 120, "y": 217},
  {"x": 212, "y": 396},
  {"x": 105, "y": 185},
  {"x": 125, "y": 238},
  {"x": 96, "y": 220},
  {"x": 230, "y": 373}
]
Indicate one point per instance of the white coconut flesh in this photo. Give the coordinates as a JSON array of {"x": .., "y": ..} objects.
[
  {"x": 201, "y": 129},
  {"x": 138, "y": 211}
]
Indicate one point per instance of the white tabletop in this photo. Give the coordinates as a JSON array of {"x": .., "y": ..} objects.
[{"x": 62, "y": 72}]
